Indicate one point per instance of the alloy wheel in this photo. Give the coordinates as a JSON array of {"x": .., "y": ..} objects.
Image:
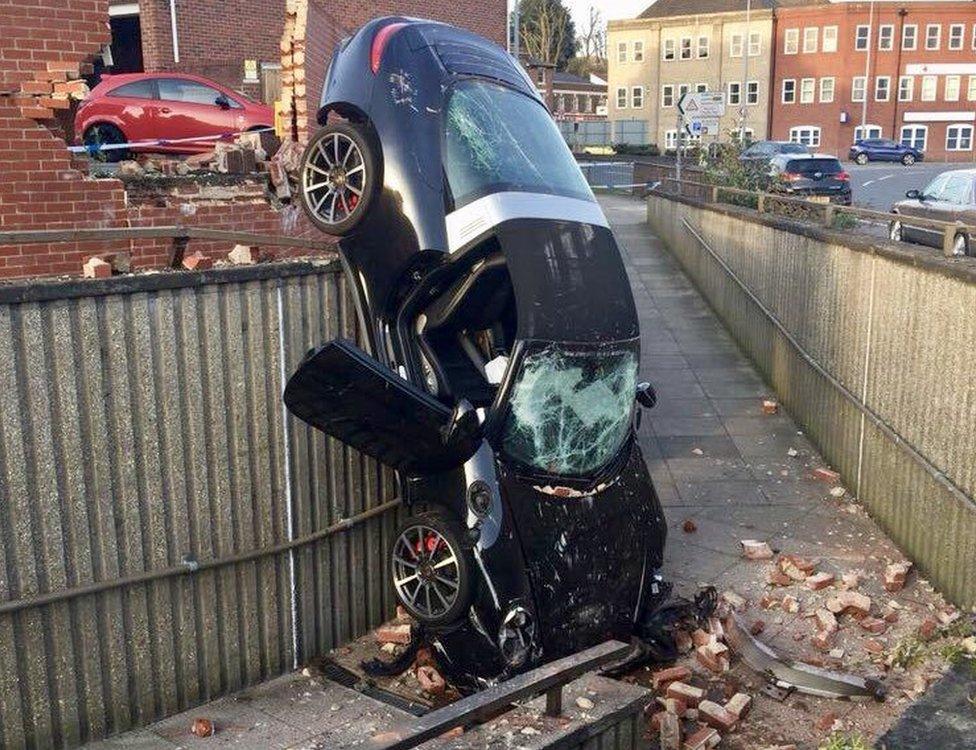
[
  {"x": 334, "y": 178},
  {"x": 426, "y": 571}
]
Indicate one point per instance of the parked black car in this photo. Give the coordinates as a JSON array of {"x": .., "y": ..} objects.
[
  {"x": 500, "y": 349},
  {"x": 949, "y": 197},
  {"x": 818, "y": 177},
  {"x": 762, "y": 151},
  {"x": 884, "y": 149}
]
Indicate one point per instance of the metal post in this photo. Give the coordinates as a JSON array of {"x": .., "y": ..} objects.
[
  {"x": 678, "y": 151},
  {"x": 554, "y": 701},
  {"x": 948, "y": 238},
  {"x": 743, "y": 92},
  {"x": 867, "y": 70}
]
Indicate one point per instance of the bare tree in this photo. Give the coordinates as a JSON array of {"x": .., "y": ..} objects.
[
  {"x": 546, "y": 31},
  {"x": 592, "y": 39}
]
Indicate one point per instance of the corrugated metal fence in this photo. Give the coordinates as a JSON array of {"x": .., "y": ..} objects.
[
  {"x": 583, "y": 133},
  {"x": 871, "y": 348},
  {"x": 167, "y": 535}
]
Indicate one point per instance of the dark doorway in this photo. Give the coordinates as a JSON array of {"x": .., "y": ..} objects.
[{"x": 126, "y": 44}]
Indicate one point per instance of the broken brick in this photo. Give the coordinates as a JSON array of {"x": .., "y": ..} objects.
[
  {"x": 777, "y": 577},
  {"x": 96, "y": 268},
  {"x": 121, "y": 262},
  {"x": 243, "y": 255},
  {"x": 700, "y": 637},
  {"x": 735, "y": 601},
  {"x": 825, "y": 474},
  {"x": 197, "y": 262},
  {"x": 715, "y": 629},
  {"x": 393, "y": 634},
  {"x": 795, "y": 567},
  {"x": 849, "y": 601},
  {"x": 716, "y": 716},
  {"x": 895, "y": 576},
  {"x": 819, "y": 581},
  {"x": 713, "y": 656},
  {"x": 430, "y": 680},
  {"x": 689, "y": 694},
  {"x": 755, "y": 550},
  {"x": 702, "y": 739},
  {"x": 826, "y": 722},
  {"x": 948, "y": 616},
  {"x": 791, "y": 604},
  {"x": 928, "y": 628},
  {"x": 874, "y": 625},
  {"x": 739, "y": 705},
  {"x": 675, "y": 706},
  {"x": 769, "y": 407},
  {"x": 689, "y": 526},
  {"x": 850, "y": 581},
  {"x": 669, "y": 731},
  {"x": 662, "y": 677},
  {"x": 683, "y": 641},
  {"x": 823, "y": 641},
  {"x": 757, "y": 627},
  {"x": 873, "y": 646},
  {"x": 826, "y": 621},
  {"x": 202, "y": 727}
]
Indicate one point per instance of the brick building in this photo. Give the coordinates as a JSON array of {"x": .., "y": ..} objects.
[
  {"x": 902, "y": 70},
  {"x": 568, "y": 96}
]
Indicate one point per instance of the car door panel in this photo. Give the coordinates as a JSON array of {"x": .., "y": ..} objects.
[{"x": 188, "y": 109}]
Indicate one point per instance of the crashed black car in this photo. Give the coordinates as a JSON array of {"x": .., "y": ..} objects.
[{"x": 500, "y": 351}]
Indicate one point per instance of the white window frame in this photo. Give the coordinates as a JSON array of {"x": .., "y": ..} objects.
[
  {"x": 752, "y": 92},
  {"x": 669, "y": 48},
  {"x": 829, "y": 40},
  {"x": 873, "y": 131},
  {"x": 808, "y": 90},
  {"x": 637, "y": 95},
  {"x": 622, "y": 89},
  {"x": 755, "y": 44},
  {"x": 928, "y": 36},
  {"x": 905, "y": 37},
  {"x": 861, "y": 44},
  {"x": 736, "y": 97},
  {"x": 906, "y": 88},
  {"x": 736, "y": 41},
  {"x": 932, "y": 94},
  {"x": 701, "y": 88},
  {"x": 971, "y": 89},
  {"x": 855, "y": 81},
  {"x": 683, "y": 88},
  {"x": 668, "y": 90},
  {"x": 877, "y": 88},
  {"x": 792, "y": 99},
  {"x": 886, "y": 37},
  {"x": 682, "y": 48},
  {"x": 811, "y": 38},
  {"x": 960, "y": 38},
  {"x": 953, "y": 87},
  {"x": 621, "y": 52},
  {"x": 960, "y": 128},
  {"x": 707, "y": 48},
  {"x": 791, "y": 41},
  {"x": 913, "y": 140},
  {"x": 812, "y": 131},
  {"x": 638, "y": 50},
  {"x": 827, "y": 92},
  {"x": 670, "y": 140}
]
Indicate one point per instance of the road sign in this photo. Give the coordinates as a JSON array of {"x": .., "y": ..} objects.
[
  {"x": 702, "y": 126},
  {"x": 703, "y": 104}
]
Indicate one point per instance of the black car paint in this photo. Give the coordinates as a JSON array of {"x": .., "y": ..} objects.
[
  {"x": 579, "y": 563},
  {"x": 814, "y": 182}
]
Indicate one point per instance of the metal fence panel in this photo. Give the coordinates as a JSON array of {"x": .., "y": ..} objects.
[
  {"x": 631, "y": 132},
  {"x": 142, "y": 436}
]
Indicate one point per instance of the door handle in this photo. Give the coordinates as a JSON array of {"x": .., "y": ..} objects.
[{"x": 165, "y": 110}]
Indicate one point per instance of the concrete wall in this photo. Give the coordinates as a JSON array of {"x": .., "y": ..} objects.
[
  {"x": 870, "y": 347},
  {"x": 152, "y": 492}
]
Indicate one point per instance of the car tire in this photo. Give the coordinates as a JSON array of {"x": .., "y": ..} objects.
[
  {"x": 908, "y": 159},
  {"x": 339, "y": 176},
  {"x": 105, "y": 133},
  {"x": 895, "y": 231},
  {"x": 861, "y": 159},
  {"x": 431, "y": 568},
  {"x": 960, "y": 245}
]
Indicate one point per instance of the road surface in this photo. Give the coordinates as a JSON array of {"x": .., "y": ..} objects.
[{"x": 879, "y": 184}]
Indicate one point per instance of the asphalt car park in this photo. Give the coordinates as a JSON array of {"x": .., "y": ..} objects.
[{"x": 878, "y": 185}]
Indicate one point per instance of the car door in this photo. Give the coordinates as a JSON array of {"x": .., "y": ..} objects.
[
  {"x": 134, "y": 107},
  {"x": 190, "y": 109},
  {"x": 930, "y": 205},
  {"x": 888, "y": 150}
]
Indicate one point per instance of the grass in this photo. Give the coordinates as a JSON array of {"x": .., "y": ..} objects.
[
  {"x": 909, "y": 652},
  {"x": 840, "y": 741}
]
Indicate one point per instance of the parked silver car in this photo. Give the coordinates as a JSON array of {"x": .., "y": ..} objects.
[{"x": 949, "y": 197}]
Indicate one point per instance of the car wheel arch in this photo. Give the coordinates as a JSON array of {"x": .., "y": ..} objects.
[{"x": 346, "y": 110}]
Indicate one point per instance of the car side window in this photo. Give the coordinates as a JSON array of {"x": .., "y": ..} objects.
[
  {"x": 956, "y": 190},
  {"x": 191, "y": 92},
  {"x": 144, "y": 89}
]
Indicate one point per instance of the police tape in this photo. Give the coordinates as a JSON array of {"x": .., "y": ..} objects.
[
  {"x": 648, "y": 185},
  {"x": 95, "y": 148}
]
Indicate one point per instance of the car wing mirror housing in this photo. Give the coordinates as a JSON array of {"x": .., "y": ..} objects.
[
  {"x": 914, "y": 194},
  {"x": 646, "y": 395},
  {"x": 222, "y": 101}
]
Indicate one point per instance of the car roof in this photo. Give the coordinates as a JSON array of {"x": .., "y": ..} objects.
[
  {"x": 971, "y": 172},
  {"x": 115, "y": 79},
  {"x": 799, "y": 157}
]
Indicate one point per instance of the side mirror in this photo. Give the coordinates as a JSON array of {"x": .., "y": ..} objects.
[
  {"x": 222, "y": 101},
  {"x": 646, "y": 396},
  {"x": 914, "y": 194}
]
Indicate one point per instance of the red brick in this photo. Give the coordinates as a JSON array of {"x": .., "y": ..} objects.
[
  {"x": 826, "y": 475},
  {"x": 36, "y": 87},
  {"x": 393, "y": 634},
  {"x": 96, "y": 268},
  {"x": 739, "y": 705},
  {"x": 663, "y": 677},
  {"x": 820, "y": 580},
  {"x": 873, "y": 625},
  {"x": 702, "y": 738},
  {"x": 713, "y": 656},
  {"x": 895, "y": 576},
  {"x": 716, "y": 716},
  {"x": 753, "y": 549},
  {"x": 430, "y": 680},
  {"x": 688, "y": 694}
]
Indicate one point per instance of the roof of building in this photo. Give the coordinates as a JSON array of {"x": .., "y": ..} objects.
[{"x": 666, "y": 8}]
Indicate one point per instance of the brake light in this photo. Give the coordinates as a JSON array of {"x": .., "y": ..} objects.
[
  {"x": 379, "y": 44},
  {"x": 792, "y": 176},
  {"x": 842, "y": 176}
]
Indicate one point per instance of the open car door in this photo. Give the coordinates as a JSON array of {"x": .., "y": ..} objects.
[{"x": 345, "y": 393}]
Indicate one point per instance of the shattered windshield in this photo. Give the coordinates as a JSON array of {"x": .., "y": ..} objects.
[
  {"x": 500, "y": 140},
  {"x": 570, "y": 410}
]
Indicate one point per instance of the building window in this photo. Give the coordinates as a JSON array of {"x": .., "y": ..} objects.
[
  {"x": 752, "y": 92},
  {"x": 933, "y": 36},
  {"x": 745, "y": 135},
  {"x": 971, "y": 90},
  {"x": 914, "y": 136},
  {"x": 637, "y": 97},
  {"x": 862, "y": 38},
  {"x": 683, "y": 88},
  {"x": 755, "y": 44},
  {"x": 929, "y": 84},
  {"x": 622, "y": 52},
  {"x": 791, "y": 41},
  {"x": 701, "y": 88},
  {"x": 886, "y": 37},
  {"x": 952, "y": 88},
  {"x": 810, "y": 38},
  {"x": 735, "y": 92},
  {"x": 959, "y": 138},
  {"x": 909, "y": 37},
  {"x": 957, "y": 32},
  {"x": 829, "y": 39},
  {"x": 638, "y": 51},
  {"x": 789, "y": 90},
  {"x": 735, "y": 46},
  {"x": 808, "y": 135},
  {"x": 864, "y": 132},
  {"x": 858, "y": 86},
  {"x": 671, "y": 140},
  {"x": 621, "y": 98},
  {"x": 826, "y": 90},
  {"x": 668, "y": 50},
  {"x": 667, "y": 95},
  {"x": 702, "y": 47},
  {"x": 882, "y": 88},
  {"x": 806, "y": 90},
  {"x": 686, "y": 48},
  {"x": 906, "y": 88}
]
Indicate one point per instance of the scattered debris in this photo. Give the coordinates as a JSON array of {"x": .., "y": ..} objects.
[
  {"x": 129, "y": 168},
  {"x": 702, "y": 739},
  {"x": 739, "y": 705},
  {"x": 197, "y": 262},
  {"x": 393, "y": 634},
  {"x": 820, "y": 581},
  {"x": 756, "y": 550},
  {"x": 664, "y": 677},
  {"x": 669, "y": 731},
  {"x": 895, "y": 576},
  {"x": 688, "y": 694},
  {"x": 96, "y": 268},
  {"x": 852, "y": 602},
  {"x": 838, "y": 491},
  {"x": 792, "y": 453},
  {"x": 826, "y": 475},
  {"x": 584, "y": 703},
  {"x": 244, "y": 255},
  {"x": 698, "y": 451},
  {"x": 202, "y": 727},
  {"x": 430, "y": 680},
  {"x": 735, "y": 601},
  {"x": 769, "y": 407},
  {"x": 689, "y": 526},
  {"x": 716, "y": 716},
  {"x": 714, "y": 656}
]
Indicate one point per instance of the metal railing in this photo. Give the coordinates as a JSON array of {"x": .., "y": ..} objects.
[{"x": 766, "y": 202}]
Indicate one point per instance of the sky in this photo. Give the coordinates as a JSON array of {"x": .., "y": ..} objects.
[{"x": 610, "y": 9}]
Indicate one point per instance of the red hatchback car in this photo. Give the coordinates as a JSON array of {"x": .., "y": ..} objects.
[{"x": 170, "y": 106}]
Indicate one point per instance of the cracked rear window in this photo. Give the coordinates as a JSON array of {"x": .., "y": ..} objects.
[
  {"x": 501, "y": 140},
  {"x": 570, "y": 409}
]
